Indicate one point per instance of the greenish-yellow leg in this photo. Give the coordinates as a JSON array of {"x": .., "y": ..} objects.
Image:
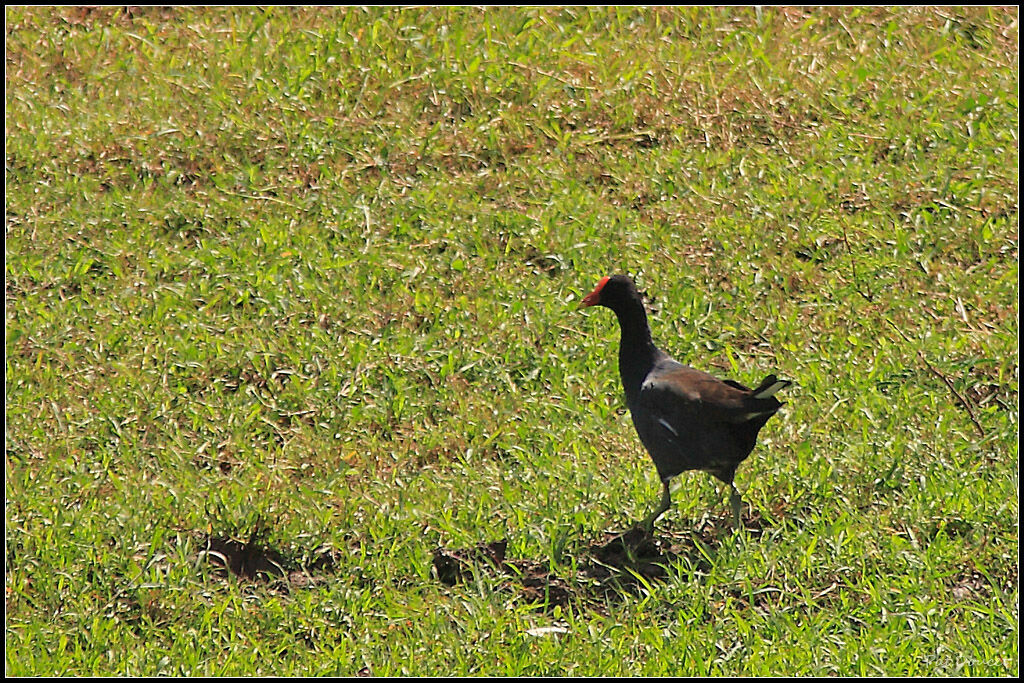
[
  {"x": 735, "y": 501},
  {"x": 666, "y": 501}
]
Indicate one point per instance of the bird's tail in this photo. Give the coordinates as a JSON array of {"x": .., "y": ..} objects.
[{"x": 770, "y": 386}]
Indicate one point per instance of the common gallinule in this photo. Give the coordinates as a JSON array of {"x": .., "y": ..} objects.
[{"x": 686, "y": 419}]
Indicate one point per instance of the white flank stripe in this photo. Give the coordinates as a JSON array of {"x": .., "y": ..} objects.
[{"x": 666, "y": 425}]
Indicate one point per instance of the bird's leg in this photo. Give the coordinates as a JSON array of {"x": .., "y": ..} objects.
[
  {"x": 666, "y": 501},
  {"x": 735, "y": 501}
]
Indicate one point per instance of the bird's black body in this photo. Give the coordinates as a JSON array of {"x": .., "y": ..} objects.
[{"x": 686, "y": 418}]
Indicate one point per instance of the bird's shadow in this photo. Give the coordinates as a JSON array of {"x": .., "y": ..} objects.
[
  {"x": 601, "y": 571},
  {"x": 630, "y": 557}
]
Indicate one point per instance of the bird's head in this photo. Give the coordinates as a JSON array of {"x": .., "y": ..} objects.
[{"x": 612, "y": 292}]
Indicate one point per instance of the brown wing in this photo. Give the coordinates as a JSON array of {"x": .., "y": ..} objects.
[
  {"x": 688, "y": 419},
  {"x": 682, "y": 391}
]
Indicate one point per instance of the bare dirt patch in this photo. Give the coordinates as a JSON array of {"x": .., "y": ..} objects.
[
  {"x": 608, "y": 568},
  {"x": 254, "y": 560}
]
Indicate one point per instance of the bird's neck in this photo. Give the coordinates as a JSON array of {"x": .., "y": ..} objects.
[{"x": 637, "y": 352}]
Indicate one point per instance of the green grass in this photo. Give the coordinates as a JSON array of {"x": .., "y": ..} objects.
[{"x": 310, "y": 276}]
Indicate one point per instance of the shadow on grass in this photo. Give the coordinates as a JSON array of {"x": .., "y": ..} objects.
[{"x": 607, "y": 569}]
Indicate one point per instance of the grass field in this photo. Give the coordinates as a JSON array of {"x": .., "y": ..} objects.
[{"x": 294, "y": 291}]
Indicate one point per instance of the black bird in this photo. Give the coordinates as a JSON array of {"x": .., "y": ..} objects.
[{"x": 686, "y": 418}]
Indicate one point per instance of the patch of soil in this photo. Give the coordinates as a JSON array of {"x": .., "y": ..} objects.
[
  {"x": 614, "y": 565},
  {"x": 453, "y": 566},
  {"x": 530, "y": 579},
  {"x": 243, "y": 559},
  {"x": 253, "y": 560}
]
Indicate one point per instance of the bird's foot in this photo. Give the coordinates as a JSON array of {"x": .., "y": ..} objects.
[{"x": 737, "y": 510}]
